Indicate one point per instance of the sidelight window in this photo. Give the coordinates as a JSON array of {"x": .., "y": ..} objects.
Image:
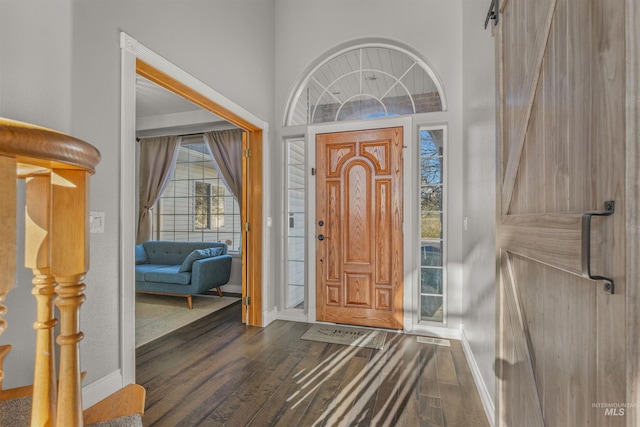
[
  {"x": 296, "y": 224},
  {"x": 432, "y": 236}
]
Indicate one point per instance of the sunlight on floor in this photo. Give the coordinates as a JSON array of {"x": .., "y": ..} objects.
[{"x": 354, "y": 395}]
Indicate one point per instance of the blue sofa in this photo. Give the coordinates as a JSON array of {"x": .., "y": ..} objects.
[{"x": 181, "y": 268}]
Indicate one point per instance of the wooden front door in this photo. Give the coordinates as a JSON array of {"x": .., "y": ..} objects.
[
  {"x": 563, "y": 346},
  {"x": 359, "y": 228}
]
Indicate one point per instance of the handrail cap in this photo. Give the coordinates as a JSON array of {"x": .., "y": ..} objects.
[{"x": 37, "y": 145}]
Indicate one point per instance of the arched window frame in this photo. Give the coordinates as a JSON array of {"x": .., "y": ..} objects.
[{"x": 309, "y": 73}]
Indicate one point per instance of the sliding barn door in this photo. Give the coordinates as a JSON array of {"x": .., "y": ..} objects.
[{"x": 562, "y": 352}]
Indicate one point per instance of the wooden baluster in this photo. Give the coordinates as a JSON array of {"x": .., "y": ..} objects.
[
  {"x": 8, "y": 240},
  {"x": 69, "y": 263},
  {"x": 38, "y": 258}
]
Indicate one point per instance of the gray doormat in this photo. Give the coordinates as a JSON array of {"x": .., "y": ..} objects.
[{"x": 356, "y": 337}]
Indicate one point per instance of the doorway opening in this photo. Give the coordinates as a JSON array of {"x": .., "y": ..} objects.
[
  {"x": 137, "y": 60},
  {"x": 251, "y": 192}
]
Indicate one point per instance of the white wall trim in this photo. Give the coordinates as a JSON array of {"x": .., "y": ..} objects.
[
  {"x": 103, "y": 387},
  {"x": 485, "y": 396},
  {"x": 150, "y": 57},
  {"x": 292, "y": 315},
  {"x": 127, "y": 206},
  {"x": 436, "y": 331},
  {"x": 269, "y": 316},
  {"x": 131, "y": 50}
]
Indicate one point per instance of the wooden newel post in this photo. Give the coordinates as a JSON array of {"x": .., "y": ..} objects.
[
  {"x": 70, "y": 262},
  {"x": 8, "y": 240},
  {"x": 38, "y": 259}
]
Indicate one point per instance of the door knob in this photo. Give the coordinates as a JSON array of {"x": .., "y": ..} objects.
[{"x": 320, "y": 236}]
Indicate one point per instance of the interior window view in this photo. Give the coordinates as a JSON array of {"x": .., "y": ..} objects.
[
  {"x": 432, "y": 262},
  {"x": 276, "y": 213},
  {"x": 196, "y": 204},
  {"x": 189, "y": 239},
  {"x": 296, "y": 223}
]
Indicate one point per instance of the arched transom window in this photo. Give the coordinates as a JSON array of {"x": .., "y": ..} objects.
[{"x": 365, "y": 82}]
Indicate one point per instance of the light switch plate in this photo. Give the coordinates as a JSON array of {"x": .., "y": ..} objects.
[{"x": 96, "y": 222}]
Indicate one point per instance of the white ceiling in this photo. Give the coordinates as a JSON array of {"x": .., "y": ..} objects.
[
  {"x": 161, "y": 112},
  {"x": 153, "y": 100}
]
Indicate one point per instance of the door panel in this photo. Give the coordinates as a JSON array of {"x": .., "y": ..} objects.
[
  {"x": 359, "y": 204},
  {"x": 561, "y": 337}
]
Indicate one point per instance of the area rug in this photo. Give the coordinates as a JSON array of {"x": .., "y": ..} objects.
[
  {"x": 157, "y": 315},
  {"x": 356, "y": 337}
]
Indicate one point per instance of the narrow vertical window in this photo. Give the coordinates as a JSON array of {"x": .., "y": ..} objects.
[
  {"x": 202, "y": 205},
  {"x": 432, "y": 241},
  {"x": 296, "y": 224}
]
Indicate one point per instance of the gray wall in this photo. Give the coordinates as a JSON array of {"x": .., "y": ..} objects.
[
  {"x": 307, "y": 30},
  {"x": 61, "y": 68},
  {"x": 479, "y": 187},
  {"x": 35, "y": 86}
]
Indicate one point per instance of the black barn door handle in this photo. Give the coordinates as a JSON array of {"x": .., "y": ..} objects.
[{"x": 609, "y": 208}]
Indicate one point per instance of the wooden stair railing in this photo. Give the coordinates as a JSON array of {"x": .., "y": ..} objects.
[{"x": 56, "y": 168}]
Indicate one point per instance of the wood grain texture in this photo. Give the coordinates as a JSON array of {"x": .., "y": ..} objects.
[
  {"x": 570, "y": 159},
  {"x": 551, "y": 239},
  {"x": 522, "y": 80},
  {"x": 38, "y": 257},
  {"x": 527, "y": 405},
  {"x": 8, "y": 208},
  {"x": 217, "y": 371},
  {"x": 36, "y": 145},
  {"x": 632, "y": 185},
  {"x": 252, "y": 191},
  {"x": 359, "y": 198},
  {"x": 128, "y": 400},
  {"x": 69, "y": 265},
  {"x": 56, "y": 168},
  {"x": 4, "y": 350},
  {"x": 609, "y": 150}
]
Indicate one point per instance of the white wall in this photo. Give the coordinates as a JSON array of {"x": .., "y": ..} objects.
[
  {"x": 479, "y": 188},
  {"x": 35, "y": 82},
  {"x": 61, "y": 68},
  {"x": 307, "y": 30}
]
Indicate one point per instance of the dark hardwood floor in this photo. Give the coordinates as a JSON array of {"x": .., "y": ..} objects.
[{"x": 218, "y": 371}]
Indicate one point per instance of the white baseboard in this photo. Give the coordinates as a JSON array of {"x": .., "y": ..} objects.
[
  {"x": 268, "y": 317},
  {"x": 292, "y": 317},
  {"x": 485, "y": 396},
  {"x": 101, "y": 388},
  {"x": 433, "y": 331}
]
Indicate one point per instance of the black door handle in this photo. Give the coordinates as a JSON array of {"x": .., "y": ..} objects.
[
  {"x": 320, "y": 236},
  {"x": 609, "y": 208}
]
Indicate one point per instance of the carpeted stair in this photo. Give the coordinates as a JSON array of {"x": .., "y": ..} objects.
[{"x": 17, "y": 413}]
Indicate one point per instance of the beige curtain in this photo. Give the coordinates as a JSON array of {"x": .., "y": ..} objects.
[
  {"x": 226, "y": 150},
  {"x": 158, "y": 158}
]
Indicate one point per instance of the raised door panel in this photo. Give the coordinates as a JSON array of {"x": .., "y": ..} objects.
[{"x": 359, "y": 203}]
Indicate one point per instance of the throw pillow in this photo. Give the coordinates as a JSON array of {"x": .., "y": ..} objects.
[
  {"x": 141, "y": 255},
  {"x": 197, "y": 255}
]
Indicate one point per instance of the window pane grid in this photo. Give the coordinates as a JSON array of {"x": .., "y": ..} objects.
[
  {"x": 196, "y": 205},
  {"x": 365, "y": 83}
]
